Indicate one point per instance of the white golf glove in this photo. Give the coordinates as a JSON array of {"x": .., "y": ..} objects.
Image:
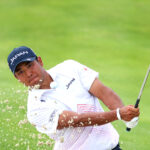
[{"x": 132, "y": 123}]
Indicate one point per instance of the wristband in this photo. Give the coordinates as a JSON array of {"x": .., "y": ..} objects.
[{"x": 118, "y": 114}]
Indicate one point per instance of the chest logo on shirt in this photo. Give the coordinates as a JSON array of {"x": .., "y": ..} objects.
[{"x": 68, "y": 85}]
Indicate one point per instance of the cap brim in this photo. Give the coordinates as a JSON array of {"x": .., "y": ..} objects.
[{"x": 24, "y": 60}]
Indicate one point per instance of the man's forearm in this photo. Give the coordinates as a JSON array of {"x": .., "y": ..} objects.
[
  {"x": 73, "y": 119},
  {"x": 97, "y": 118}
]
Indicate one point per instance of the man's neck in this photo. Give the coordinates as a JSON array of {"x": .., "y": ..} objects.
[{"x": 46, "y": 81}]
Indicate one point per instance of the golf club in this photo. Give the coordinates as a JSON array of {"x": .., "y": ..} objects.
[{"x": 141, "y": 90}]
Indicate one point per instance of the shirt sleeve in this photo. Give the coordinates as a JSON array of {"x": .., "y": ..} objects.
[
  {"x": 45, "y": 115},
  {"x": 86, "y": 75}
]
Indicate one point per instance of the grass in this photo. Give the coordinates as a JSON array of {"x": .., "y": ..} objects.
[{"x": 110, "y": 37}]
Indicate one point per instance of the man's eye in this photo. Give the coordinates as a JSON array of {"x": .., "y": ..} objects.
[
  {"x": 29, "y": 65},
  {"x": 20, "y": 72}
]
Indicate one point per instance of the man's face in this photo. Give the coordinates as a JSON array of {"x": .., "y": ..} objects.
[{"x": 30, "y": 73}]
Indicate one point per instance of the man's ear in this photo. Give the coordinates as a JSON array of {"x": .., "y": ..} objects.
[{"x": 40, "y": 61}]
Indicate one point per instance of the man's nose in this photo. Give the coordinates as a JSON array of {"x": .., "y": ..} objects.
[{"x": 28, "y": 73}]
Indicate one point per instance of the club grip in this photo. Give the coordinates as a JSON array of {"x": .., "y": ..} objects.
[
  {"x": 137, "y": 103},
  {"x": 136, "y": 106}
]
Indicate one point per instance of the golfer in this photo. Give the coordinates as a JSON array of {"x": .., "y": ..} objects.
[{"x": 63, "y": 102}]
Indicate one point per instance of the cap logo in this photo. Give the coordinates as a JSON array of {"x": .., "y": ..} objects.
[{"x": 18, "y": 55}]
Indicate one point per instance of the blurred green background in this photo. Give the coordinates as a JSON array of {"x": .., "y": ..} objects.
[{"x": 112, "y": 37}]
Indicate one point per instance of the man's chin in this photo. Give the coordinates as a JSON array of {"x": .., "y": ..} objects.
[{"x": 34, "y": 86}]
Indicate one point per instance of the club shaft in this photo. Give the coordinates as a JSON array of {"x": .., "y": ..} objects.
[
  {"x": 145, "y": 79},
  {"x": 140, "y": 93}
]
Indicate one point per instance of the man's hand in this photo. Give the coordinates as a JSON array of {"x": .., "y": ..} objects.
[{"x": 127, "y": 113}]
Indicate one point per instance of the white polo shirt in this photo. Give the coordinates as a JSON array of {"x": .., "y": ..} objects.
[{"x": 72, "y": 83}]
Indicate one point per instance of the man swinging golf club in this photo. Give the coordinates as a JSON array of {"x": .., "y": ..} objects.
[{"x": 63, "y": 103}]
